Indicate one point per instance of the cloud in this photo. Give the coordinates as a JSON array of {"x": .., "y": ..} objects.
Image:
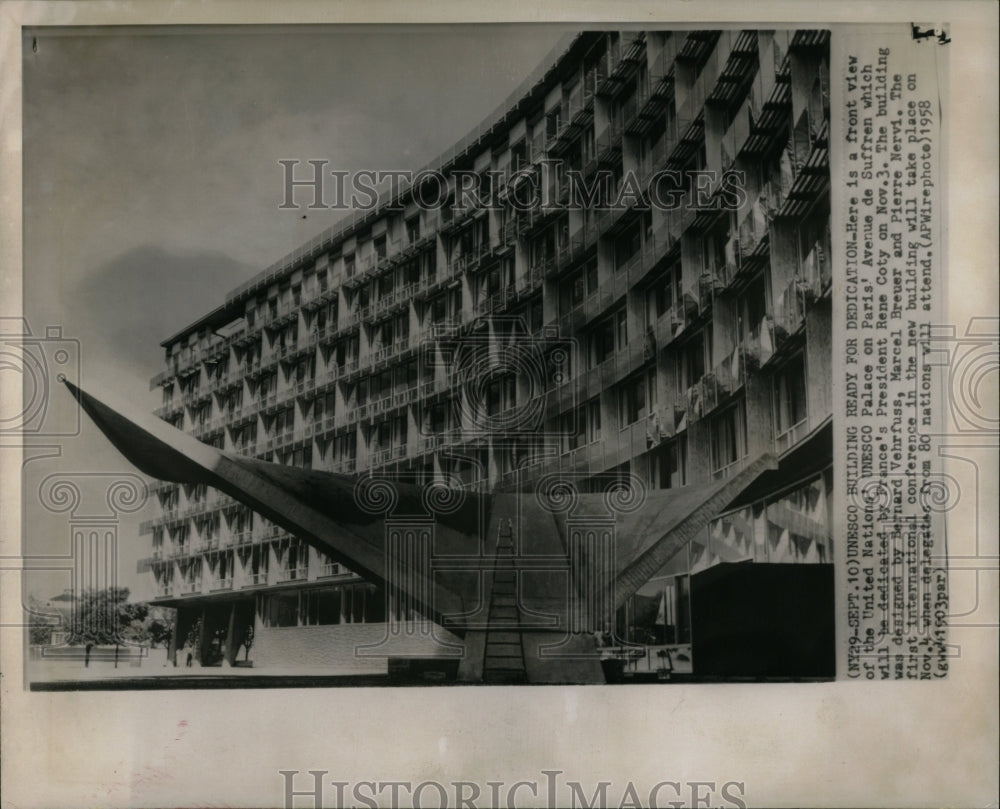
[{"x": 131, "y": 303}]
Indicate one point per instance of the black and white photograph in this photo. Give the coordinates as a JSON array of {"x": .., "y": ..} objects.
[{"x": 362, "y": 372}]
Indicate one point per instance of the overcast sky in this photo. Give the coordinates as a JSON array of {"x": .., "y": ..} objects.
[{"x": 152, "y": 183}]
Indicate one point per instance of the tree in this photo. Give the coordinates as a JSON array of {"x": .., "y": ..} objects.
[
  {"x": 248, "y": 640},
  {"x": 40, "y": 630},
  {"x": 40, "y": 623},
  {"x": 193, "y": 638},
  {"x": 159, "y": 632},
  {"x": 108, "y": 617},
  {"x": 95, "y": 616}
]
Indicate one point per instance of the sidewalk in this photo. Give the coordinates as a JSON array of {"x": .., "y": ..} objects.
[{"x": 55, "y": 674}]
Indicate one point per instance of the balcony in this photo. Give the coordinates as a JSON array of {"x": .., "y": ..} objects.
[
  {"x": 815, "y": 272},
  {"x": 580, "y": 105},
  {"x": 664, "y": 329},
  {"x": 790, "y": 311},
  {"x": 729, "y": 469},
  {"x": 331, "y": 569},
  {"x": 695, "y": 301},
  {"x": 165, "y": 591},
  {"x": 389, "y": 301},
  {"x": 429, "y": 443},
  {"x": 691, "y": 402},
  {"x": 508, "y": 234},
  {"x": 791, "y": 436},
  {"x": 723, "y": 272},
  {"x": 385, "y": 353},
  {"x": 609, "y": 141},
  {"x": 758, "y": 347},
  {"x": 536, "y": 150},
  {"x": 497, "y": 301},
  {"x": 404, "y": 397},
  {"x": 754, "y": 227},
  {"x": 384, "y": 456},
  {"x": 256, "y": 579},
  {"x": 725, "y": 379},
  {"x": 222, "y": 584},
  {"x": 293, "y": 574},
  {"x": 735, "y": 137},
  {"x": 191, "y": 587}
]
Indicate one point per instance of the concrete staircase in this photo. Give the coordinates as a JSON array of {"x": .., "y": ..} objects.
[{"x": 504, "y": 660}]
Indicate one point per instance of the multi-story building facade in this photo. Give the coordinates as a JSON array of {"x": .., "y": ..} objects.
[{"x": 699, "y": 337}]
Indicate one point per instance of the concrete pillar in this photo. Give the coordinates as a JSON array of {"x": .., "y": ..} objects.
[
  {"x": 201, "y": 637},
  {"x": 229, "y": 655},
  {"x": 172, "y": 648}
]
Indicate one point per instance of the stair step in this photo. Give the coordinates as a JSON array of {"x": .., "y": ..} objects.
[
  {"x": 503, "y": 637},
  {"x": 513, "y": 678},
  {"x": 503, "y": 649},
  {"x": 515, "y": 668}
]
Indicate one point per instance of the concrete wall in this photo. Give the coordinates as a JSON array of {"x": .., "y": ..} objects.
[{"x": 332, "y": 647}]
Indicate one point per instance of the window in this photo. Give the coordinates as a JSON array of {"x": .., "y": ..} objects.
[
  {"x": 282, "y": 610},
  {"x": 714, "y": 249},
  {"x": 384, "y": 437},
  {"x": 658, "y": 614},
  {"x": 593, "y": 413},
  {"x": 574, "y": 430},
  {"x": 501, "y": 394},
  {"x": 669, "y": 464},
  {"x": 753, "y": 308},
  {"x": 552, "y": 121},
  {"x": 518, "y": 155},
  {"x": 632, "y": 400},
  {"x": 691, "y": 368},
  {"x": 436, "y": 419},
  {"x": 728, "y": 431},
  {"x": 322, "y": 607},
  {"x": 535, "y": 315},
  {"x": 439, "y": 309},
  {"x": 790, "y": 395},
  {"x": 305, "y": 370},
  {"x": 583, "y": 426},
  {"x": 627, "y": 245},
  {"x": 324, "y": 406},
  {"x": 602, "y": 342},
  {"x": 412, "y": 229},
  {"x": 572, "y": 291}
]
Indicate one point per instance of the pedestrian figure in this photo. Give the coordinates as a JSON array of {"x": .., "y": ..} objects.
[{"x": 86, "y": 655}]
